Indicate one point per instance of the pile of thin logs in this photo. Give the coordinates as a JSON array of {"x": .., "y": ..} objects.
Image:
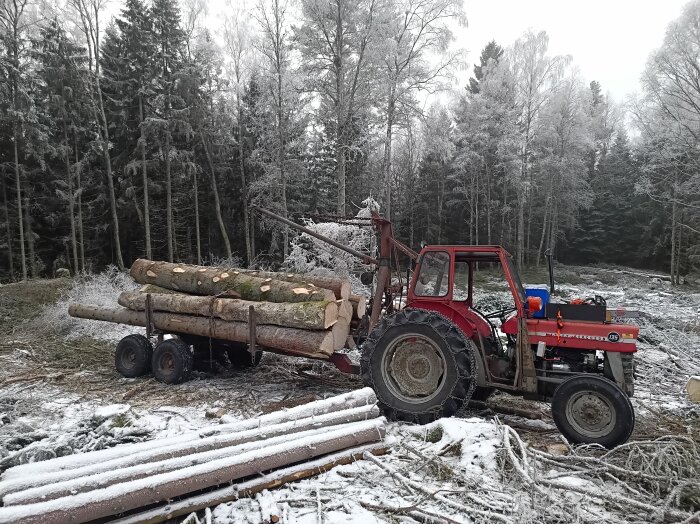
[
  {"x": 199, "y": 469},
  {"x": 294, "y": 314}
]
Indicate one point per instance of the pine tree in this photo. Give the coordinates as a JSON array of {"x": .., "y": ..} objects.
[
  {"x": 492, "y": 51},
  {"x": 60, "y": 69},
  {"x": 169, "y": 41}
]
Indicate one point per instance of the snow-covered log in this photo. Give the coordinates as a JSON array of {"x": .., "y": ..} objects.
[
  {"x": 203, "y": 280},
  {"x": 292, "y": 341},
  {"x": 300, "y": 315},
  {"x": 142, "y": 463},
  {"x": 353, "y": 399},
  {"x": 110, "y": 477},
  {"x": 249, "y": 488},
  {"x": 118, "y": 498}
]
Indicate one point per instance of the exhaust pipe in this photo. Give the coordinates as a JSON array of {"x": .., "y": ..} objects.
[{"x": 548, "y": 254}]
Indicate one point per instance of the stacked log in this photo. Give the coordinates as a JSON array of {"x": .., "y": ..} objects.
[
  {"x": 117, "y": 481},
  {"x": 295, "y": 314}
]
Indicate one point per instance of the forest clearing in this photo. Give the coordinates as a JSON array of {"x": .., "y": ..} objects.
[
  {"x": 503, "y": 460},
  {"x": 331, "y": 261}
]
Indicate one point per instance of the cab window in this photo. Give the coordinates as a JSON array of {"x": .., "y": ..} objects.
[
  {"x": 434, "y": 277},
  {"x": 460, "y": 288}
]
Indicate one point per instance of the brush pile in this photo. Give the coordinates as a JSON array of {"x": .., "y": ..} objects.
[{"x": 292, "y": 314}]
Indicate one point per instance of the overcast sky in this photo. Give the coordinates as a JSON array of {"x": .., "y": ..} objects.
[{"x": 609, "y": 40}]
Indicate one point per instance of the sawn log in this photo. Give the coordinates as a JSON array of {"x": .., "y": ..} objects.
[
  {"x": 203, "y": 280},
  {"x": 299, "y": 342},
  {"x": 302, "y": 315}
]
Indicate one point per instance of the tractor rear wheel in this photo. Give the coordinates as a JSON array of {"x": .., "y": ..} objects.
[
  {"x": 590, "y": 409},
  {"x": 133, "y": 356},
  {"x": 420, "y": 365},
  {"x": 172, "y": 361}
]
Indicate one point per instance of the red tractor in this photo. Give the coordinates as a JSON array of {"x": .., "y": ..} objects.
[{"x": 429, "y": 352}]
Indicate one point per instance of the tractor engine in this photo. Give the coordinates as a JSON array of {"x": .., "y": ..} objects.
[{"x": 576, "y": 361}]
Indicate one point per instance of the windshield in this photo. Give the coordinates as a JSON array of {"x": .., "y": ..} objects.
[{"x": 516, "y": 279}]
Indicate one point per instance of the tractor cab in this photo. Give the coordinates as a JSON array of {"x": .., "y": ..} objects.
[{"x": 445, "y": 281}]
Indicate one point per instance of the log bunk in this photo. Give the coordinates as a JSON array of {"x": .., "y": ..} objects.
[{"x": 177, "y": 475}]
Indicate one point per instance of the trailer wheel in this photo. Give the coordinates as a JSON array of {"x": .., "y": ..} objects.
[
  {"x": 172, "y": 361},
  {"x": 590, "y": 409},
  {"x": 133, "y": 356},
  {"x": 420, "y": 365}
]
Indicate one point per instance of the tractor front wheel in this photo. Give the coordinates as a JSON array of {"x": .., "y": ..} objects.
[
  {"x": 419, "y": 364},
  {"x": 589, "y": 409}
]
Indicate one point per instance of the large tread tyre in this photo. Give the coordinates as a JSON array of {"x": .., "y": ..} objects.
[
  {"x": 399, "y": 337},
  {"x": 132, "y": 357},
  {"x": 172, "y": 361},
  {"x": 590, "y": 409}
]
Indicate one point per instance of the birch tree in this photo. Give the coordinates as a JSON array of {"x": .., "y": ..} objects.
[
  {"x": 417, "y": 57},
  {"x": 536, "y": 76},
  {"x": 237, "y": 35},
  {"x": 280, "y": 127},
  {"x": 336, "y": 38}
]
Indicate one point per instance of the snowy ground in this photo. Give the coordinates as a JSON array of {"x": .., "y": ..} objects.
[{"x": 59, "y": 394}]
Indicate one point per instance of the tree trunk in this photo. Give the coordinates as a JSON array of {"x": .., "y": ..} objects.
[
  {"x": 108, "y": 161},
  {"x": 291, "y": 341},
  {"x": 167, "y": 453},
  {"x": 8, "y": 229},
  {"x": 197, "y": 234},
  {"x": 244, "y": 187},
  {"x": 166, "y": 486},
  {"x": 339, "y": 110},
  {"x": 106, "y": 478},
  {"x": 71, "y": 201},
  {"x": 301, "y": 315},
  {"x": 20, "y": 217},
  {"x": 249, "y": 488},
  {"x": 168, "y": 198},
  {"x": 201, "y": 280},
  {"x": 81, "y": 236},
  {"x": 144, "y": 181},
  {"x": 317, "y": 408},
  {"x": 30, "y": 238},
  {"x": 386, "y": 162},
  {"x": 217, "y": 202},
  {"x": 674, "y": 212}
]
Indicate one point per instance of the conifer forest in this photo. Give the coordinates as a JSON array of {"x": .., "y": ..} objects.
[{"x": 140, "y": 129}]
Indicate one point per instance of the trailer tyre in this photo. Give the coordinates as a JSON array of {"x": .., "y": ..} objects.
[
  {"x": 172, "y": 361},
  {"x": 132, "y": 357},
  {"x": 590, "y": 409},
  {"x": 420, "y": 365}
]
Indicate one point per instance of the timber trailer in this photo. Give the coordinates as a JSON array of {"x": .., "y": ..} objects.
[{"x": 427, "y": 350}]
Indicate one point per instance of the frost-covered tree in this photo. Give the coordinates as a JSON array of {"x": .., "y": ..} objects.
[{"x": 338, "y": 40}]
